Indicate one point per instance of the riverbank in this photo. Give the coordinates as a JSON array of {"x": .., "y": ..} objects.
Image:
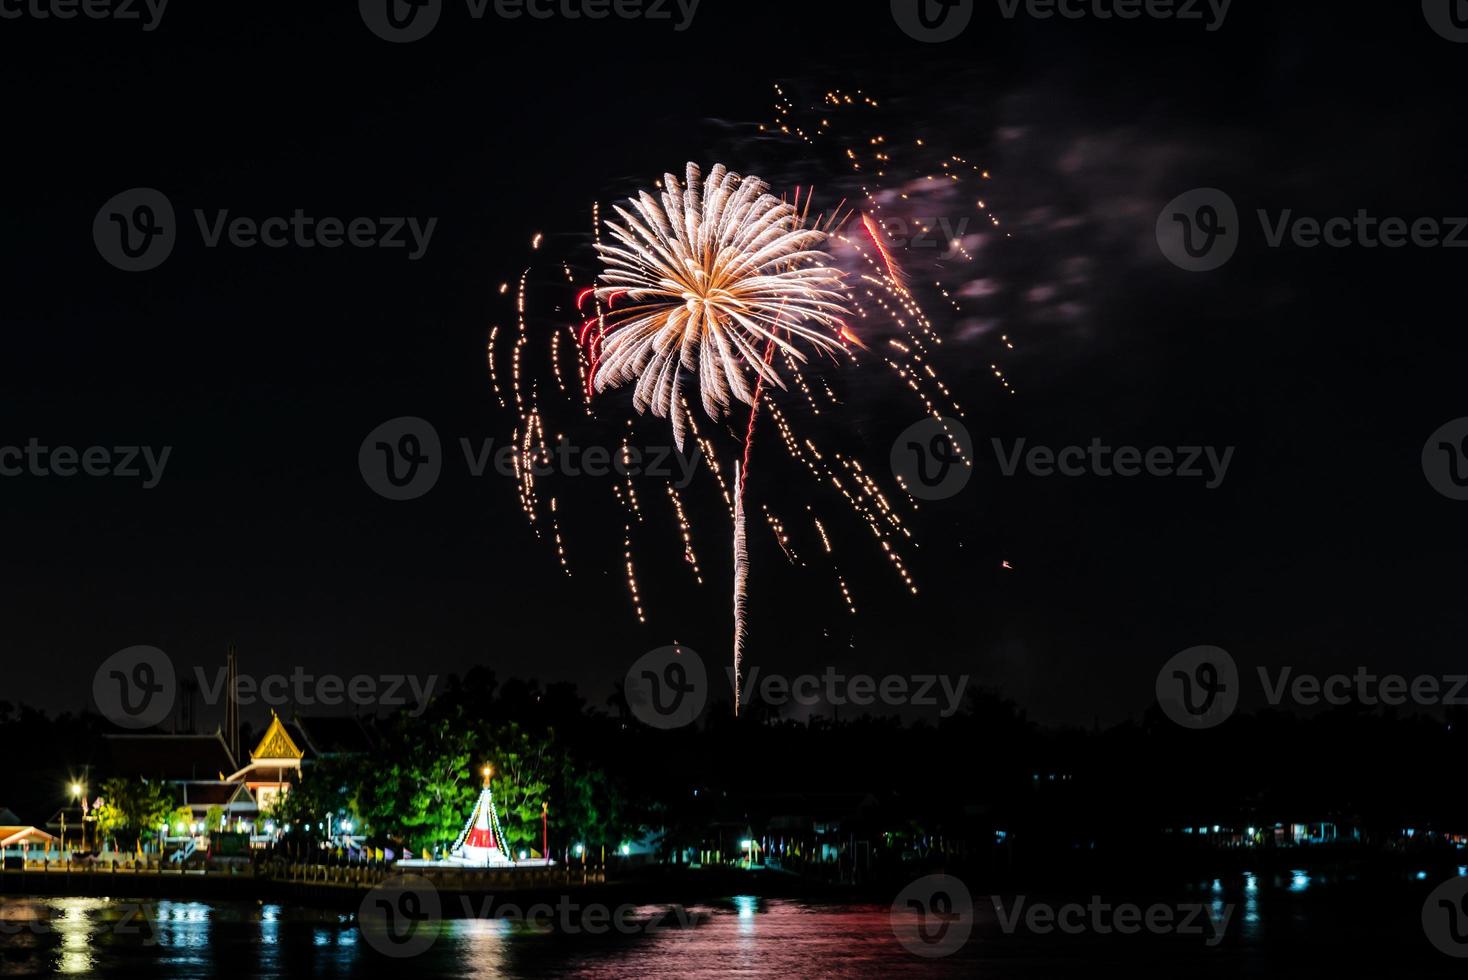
[{"x": 343, "y": 887}]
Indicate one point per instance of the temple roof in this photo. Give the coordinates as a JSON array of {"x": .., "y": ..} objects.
[
  {"x": 277, "y": 743},
  {"x": 169, "y": 757},
  {"x": 332, "y": 735},
  {"x": 214, "y": 793}
]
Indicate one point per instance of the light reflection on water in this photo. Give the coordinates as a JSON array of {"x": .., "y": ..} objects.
[{"x": 745, "y": 936}]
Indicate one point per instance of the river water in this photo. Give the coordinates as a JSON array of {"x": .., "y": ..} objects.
[{"x": 1292, "y": 924}]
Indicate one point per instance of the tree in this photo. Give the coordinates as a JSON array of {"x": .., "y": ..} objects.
[
  {"x": 330, "y": 787},
  {"x": 422, "y": 788},
  {"x": 132, "y": 808},
  {"x": 523, "y": 769}
]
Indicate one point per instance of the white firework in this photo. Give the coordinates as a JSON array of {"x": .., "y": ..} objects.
[{"x": 712, "y": 273}]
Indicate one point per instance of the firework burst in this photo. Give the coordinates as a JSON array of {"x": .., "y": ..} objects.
[
  {"x": 712, "y": 273},
  {"x": 719, "y": 285}
]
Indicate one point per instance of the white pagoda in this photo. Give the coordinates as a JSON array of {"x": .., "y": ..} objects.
[{"x": 482, "y": 843}]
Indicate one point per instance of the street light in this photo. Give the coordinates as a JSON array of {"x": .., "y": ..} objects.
[{"x": 79, "y": 793}]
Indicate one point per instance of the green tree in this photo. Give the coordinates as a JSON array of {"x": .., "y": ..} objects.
[
  {"x": 523, "y": 769},
  {"x": 423, "y": 788},
  {"x": 131, "y": 808},
  {"x": 329, "y": 786}
]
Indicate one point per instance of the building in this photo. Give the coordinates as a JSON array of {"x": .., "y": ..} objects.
[
  {"x": 17, "y": 842},
  {"x": 274, "y": 767},
  {"x": 205, "y": 774}
]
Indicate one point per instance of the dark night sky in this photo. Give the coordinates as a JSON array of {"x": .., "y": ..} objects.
[{"x": 264, "y": 369}]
